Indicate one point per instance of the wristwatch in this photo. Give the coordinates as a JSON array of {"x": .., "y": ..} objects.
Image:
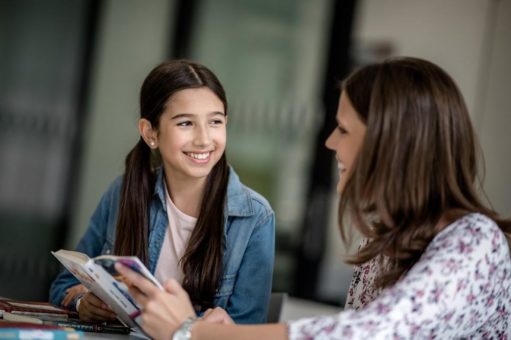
[
  {"x": 76, "y": 301},
  {"x": 185, "y": 331}
]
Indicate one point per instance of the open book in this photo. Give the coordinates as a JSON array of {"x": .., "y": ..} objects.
[{"x": 100, "y": 277}]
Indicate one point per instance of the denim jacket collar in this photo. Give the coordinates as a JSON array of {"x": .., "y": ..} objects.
[{"x": 238, "y": 199}]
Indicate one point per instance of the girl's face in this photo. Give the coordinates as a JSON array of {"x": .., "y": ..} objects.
[
  {"x": 192, "y": 133},
  {"x": 346, "y": 139}
]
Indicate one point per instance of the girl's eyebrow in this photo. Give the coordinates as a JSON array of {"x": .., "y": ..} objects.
[
  {"x": 182, "y": 115},
  {"x": 190, "y": 115}
]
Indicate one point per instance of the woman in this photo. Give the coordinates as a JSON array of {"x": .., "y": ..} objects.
[
  {"x": 406, "y": 155},
  {"x": 180, "y": 207}
]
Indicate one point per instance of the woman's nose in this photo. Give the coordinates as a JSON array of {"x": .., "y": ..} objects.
[{"x": 329, "y": 143}]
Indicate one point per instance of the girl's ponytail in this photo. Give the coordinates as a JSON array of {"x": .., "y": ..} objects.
[{"x": 132, "y": 223}]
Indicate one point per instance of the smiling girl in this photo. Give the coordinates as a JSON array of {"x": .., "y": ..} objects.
[{"x": 180, "y": 207}]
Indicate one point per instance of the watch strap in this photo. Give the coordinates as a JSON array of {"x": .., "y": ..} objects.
[{"x": 184, "y": 332}]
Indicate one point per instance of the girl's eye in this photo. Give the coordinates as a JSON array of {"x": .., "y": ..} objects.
[
  {"x": 185, "y": 123},
  {"x": 217, "y": 122}
]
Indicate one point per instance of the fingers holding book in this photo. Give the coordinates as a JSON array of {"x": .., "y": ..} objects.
[
  {"x": 73, "y": 292},
  {"x": 91, "y": 308},
  {"x": 163, "y": 311}
]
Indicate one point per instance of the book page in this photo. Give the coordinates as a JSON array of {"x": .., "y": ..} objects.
[
  {"x": 75, "y": 267},
  {"x": 75, "y": 256},
  {"x": 115, "y": 294}
]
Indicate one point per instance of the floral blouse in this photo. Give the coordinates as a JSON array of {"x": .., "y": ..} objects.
[
  {"x": 460, "y": 288},
  {"x": 362, "y": 289}
]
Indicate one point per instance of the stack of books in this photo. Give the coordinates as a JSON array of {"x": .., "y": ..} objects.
[{"x": 41, "y": 320}]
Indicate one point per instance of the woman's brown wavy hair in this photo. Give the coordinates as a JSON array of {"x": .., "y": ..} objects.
[
  {"x": 203, "y": 258},
  {"x": 418, "y": 161}
]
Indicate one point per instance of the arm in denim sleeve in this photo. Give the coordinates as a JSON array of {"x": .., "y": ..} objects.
[
  {"x": 91, "y": 243},
  {"x": 252, "y": 290}
]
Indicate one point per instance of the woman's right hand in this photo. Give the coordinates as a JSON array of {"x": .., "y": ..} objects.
[
  {"x": 91, "y": 308},
  {"x": 217, "y": 315},
  {"x": 163, "y": 311}
]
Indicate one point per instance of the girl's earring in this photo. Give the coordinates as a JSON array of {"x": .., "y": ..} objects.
[{"x": 151, "y": 143}]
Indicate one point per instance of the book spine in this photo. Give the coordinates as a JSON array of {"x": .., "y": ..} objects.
[
  {"x": 29, "y": 334},
  {"x": 91, "y": 328},
  {"x": 38, "y": 313},
  {"x": 77, "y": 326}
]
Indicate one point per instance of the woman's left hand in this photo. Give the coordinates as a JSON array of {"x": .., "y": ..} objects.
[{"x": 163, "y": 311}]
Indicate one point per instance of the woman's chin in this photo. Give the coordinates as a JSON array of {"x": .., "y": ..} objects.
[{"x": 340, "y": 187}]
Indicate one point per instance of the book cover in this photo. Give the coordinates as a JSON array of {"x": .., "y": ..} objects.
[
  {"x": 100, "y": 277},
  {"x": 30, "y": 334},
  {"x": 28, "y": 331}
]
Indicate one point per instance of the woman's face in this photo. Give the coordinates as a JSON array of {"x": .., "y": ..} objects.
[
  {"x": 346, "y": 139},
  {"x": 192, "y": 133}
]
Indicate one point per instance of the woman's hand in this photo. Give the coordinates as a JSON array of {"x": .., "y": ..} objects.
[
  {"x": 72, "y": 292},
  {"x": 217, "y": 315},
  {"x": 163, "y": 311},
  {"x": 91, "y": 308}
]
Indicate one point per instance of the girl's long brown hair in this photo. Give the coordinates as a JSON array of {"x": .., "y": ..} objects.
[
  {"x": 203, "y": 258},
  {"x": 418, "y": 161}
]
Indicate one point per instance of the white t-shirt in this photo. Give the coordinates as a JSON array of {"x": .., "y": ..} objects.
[{"x": 176, "y": 239}]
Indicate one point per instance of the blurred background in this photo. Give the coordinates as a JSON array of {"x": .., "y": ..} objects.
[{"x": 71, "y": 71}]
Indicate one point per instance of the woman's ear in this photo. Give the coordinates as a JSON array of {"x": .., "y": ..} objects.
[{"x": 148, "y": 133}]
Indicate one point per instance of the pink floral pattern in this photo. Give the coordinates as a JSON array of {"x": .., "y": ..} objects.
[{"x": 460, "y": 288}]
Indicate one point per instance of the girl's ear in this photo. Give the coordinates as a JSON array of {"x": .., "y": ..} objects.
[{"x": 148, "y": 133}]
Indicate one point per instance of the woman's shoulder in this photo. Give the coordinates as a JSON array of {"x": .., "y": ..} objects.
[
  {"x": 471, "y": 234},
  {"x": 470, "y": 225}
]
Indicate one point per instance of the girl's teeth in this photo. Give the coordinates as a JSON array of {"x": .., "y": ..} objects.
[{"x": 200, "y": 156}]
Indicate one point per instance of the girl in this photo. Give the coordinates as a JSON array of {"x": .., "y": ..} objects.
[
  {"x": 180, "y": 207},
  {"x": 439, "y": 259}
]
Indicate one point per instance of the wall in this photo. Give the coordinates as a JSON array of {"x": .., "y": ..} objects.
[
  {"x": 495, "y": 122},
  {"x": 134, "y": 37}
]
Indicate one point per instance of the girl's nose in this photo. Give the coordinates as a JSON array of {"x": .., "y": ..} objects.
[{"x": 202, "y": 136}]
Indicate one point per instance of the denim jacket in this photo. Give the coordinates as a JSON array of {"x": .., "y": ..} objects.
[{"x": 244, "y": 290}]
